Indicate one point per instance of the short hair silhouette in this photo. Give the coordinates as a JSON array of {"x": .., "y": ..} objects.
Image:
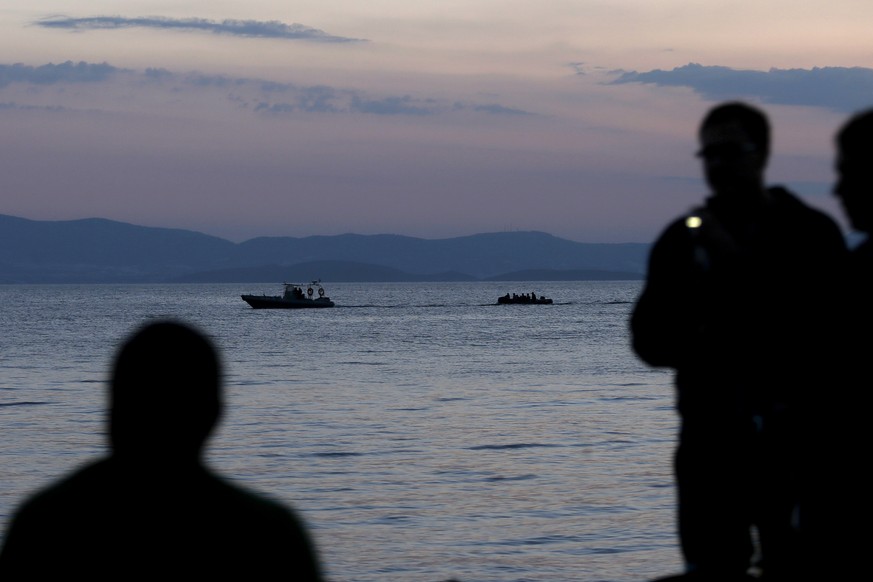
[
  {"x": 165, "y": 393},
  {"x": 152, "y": 506},
  {"x": 857, "y": 133},
  {"x": 854, "y": 186},
  {"x": 751, "y": 119}
]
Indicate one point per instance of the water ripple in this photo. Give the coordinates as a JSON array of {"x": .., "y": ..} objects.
[{"x": 512, "y": 446}]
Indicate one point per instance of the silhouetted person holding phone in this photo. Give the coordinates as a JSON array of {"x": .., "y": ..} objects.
[
  {"x": 152, "y": 509},
  {"x": 731, "y": 303},
  {"x": 835, "y": 513}
]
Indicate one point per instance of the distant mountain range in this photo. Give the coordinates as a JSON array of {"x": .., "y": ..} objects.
[{"x": 96, "y": 250}]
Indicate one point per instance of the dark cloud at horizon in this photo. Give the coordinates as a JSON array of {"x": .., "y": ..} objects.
[
  {"x": 243, "y": 28},
  {"x": 328, "y": 100},
  {"x": 325, "y": 99},
  {"x": 260, "y": 96},
  {"x": 842, "y": 89},
  {"x": 68, "y": 72},
  {"x": 497, "y": 109},
  {"x": 12, "y": 105}
]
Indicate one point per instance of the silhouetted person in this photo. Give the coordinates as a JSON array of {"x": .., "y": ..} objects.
[
  {"x": 151, "y": 509},
  {"x": 731, "y": 304},
  {"x": 835, "y": 513}
]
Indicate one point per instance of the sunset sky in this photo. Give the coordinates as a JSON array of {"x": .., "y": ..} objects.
[{"x": 430, "y": 119}]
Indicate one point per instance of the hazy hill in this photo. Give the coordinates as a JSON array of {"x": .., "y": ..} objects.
[
  {"x": 480, "y": 255},
  {"x": 103, "y": 251},
  {"x": 334, "y": 271}
]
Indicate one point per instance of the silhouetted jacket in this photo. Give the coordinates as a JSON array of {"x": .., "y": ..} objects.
[
  {"x": 738, "y": 325},
  {"x": 856, "y": 347},
  {"x": 861, "y": 269},
  {"x": 111, "y": 520}
]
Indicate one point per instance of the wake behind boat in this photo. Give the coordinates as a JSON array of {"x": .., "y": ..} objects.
[{"x": 293, "y": 297}]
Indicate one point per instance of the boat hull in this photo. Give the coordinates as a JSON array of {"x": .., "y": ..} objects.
[
  {"x": 523, "y": 301},
  {"x": 276, "y": 302}
]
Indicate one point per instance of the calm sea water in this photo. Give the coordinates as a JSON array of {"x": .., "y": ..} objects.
[{"x": 422, "y": 431}]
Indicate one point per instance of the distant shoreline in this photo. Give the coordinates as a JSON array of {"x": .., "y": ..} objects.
[{"x": 103, "y": 251}]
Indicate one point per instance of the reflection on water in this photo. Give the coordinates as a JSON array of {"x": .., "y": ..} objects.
[{"x": 423, "y": 431}]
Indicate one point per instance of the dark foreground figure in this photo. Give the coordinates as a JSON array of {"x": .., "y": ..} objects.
[
  {"x": 836, "y": 514},
  {"x": 151, "y": 509},
  {"x": 735, "y": 301}
]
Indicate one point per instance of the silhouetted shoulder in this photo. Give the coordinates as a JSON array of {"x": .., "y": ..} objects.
[
  {"x": 662, "y": 315},
  {"x": 791, "y": 207},
  {"x": 106, "y": 517},
  {"x": 863, "y": 254}
]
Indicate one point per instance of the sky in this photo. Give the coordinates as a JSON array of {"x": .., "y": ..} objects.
[{"x": 432, "y": 119}]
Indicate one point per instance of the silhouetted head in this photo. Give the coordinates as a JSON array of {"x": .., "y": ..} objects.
[
  {"x": 854, "y": 185},
  {"x": 734, "y": 147},
  {"x": 165, "y": 394}
]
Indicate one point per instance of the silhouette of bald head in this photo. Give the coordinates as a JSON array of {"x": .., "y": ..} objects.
[{"x": 165, "y": 394}]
